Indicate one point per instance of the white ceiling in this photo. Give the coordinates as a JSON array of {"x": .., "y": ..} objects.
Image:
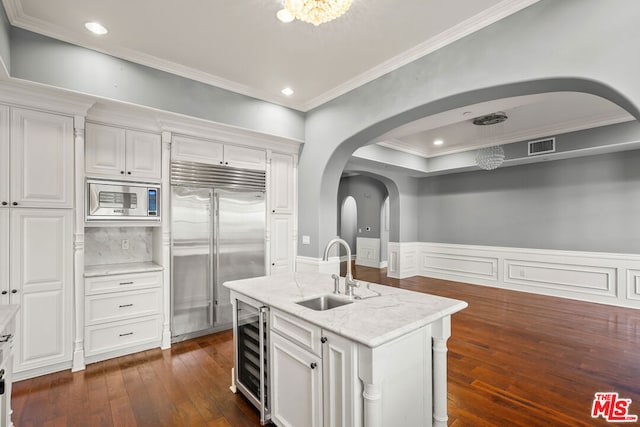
[
  {"x": 529, "y": 117},
  {"x": 241, "y": 46}
]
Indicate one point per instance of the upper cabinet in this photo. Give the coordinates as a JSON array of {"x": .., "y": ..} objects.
[
  {"x": 36, "y": 159},
  {"x": 216, "y": 153},
  {"x": 117, "y": 153},
  {"x": 282, "y": 183}
]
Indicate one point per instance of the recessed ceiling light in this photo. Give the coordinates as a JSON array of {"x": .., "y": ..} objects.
[
  {"x": 95, "y": 28},
  {"x": 285, "y": 16},
  {"x": 438, "y": 142},
  {"x": 287, "y": 91}
]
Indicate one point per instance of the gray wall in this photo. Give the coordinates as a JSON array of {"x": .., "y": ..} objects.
[
  {"x": 532, "y": 51},
  {"x": 369, "y": 194},
  {"x": 45, "y": 60},
  {"x": 583, "y": 204},
  {"x": 5, "y": 39}
]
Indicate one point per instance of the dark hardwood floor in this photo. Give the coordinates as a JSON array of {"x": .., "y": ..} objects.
[{"x": 515, "y": 359}]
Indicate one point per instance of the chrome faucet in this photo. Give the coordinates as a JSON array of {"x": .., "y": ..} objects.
[{"x": 349, "y": 283}]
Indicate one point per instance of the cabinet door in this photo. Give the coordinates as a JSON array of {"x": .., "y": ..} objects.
[
  {"x": 197, "y": 150},
  {"x": 105, "y": 151},
  {"x": 144, "y": 153},
  {"x": 341, "y": 386},
  {"x": 245, "y": 158},
  {"x": 296, "y": 385},
  {"x": 41, "y": 276},
  {"x": 41, "y": 159},
  {"x": 4, "y": 256},
  {"x": 282, "y": 183},
  {"x": 281, "y": 249},
  {"x": 4, "y": 156}
]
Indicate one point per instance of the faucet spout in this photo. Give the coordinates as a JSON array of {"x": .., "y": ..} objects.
[{"x": 349, "y": 283}]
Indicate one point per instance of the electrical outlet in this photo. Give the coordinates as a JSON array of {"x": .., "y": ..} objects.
[{"x": 125, "y": 244}]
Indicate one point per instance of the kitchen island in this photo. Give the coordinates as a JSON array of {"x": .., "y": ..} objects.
[{"x": 379, "y": 359}]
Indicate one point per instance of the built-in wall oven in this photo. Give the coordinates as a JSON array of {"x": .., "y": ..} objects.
[{"x": 251, "y": 373}]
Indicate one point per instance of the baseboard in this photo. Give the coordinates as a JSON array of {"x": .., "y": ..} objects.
[
  {"x": 37, "y": 372},
  {"x": 605, "y": 278}
]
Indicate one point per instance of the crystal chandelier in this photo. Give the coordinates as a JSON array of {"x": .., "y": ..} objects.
[
  {"x": 489, "y": 158},
  {"x": 315, "y": 12}
]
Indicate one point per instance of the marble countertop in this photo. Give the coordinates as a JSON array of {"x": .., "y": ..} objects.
[
  {"x": 7, "y": 312},
  {"x": 127, "y": 267},
  {"x": 369, "y": 321}
]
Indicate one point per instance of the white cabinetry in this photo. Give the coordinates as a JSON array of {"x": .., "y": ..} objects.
[
  {"x": 7, "y": 338},
  {"x": 216, "y": 153},
  {"x": 282, "y": 189},
  {"x": 117, "y": 153},
  {"x": 314, "y": 375},
  {"x": 40, "y": 282},
  {"x": 36, "y": 263},
  {"x": 123, "y": 314},
  {"x": 36, "y": 159}
]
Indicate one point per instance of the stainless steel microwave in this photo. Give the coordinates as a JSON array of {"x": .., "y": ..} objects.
[{"x": 115, "y": 201}]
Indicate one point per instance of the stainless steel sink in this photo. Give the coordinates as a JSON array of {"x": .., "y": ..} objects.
[{"x": 324, "y": 302}]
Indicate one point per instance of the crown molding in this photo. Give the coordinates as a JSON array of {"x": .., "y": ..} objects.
[
  {"x": 43, "y": 97},
  {"x": 475, "y": 23},
  {"x": 19, "y": 18}
]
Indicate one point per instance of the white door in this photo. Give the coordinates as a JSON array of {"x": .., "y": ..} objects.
[
  {"x": 296, "y": 385},
  {"x": 4, "y": 256},
  {"x": 105, "y": 151},
  {"x": 245, "y": 158},
  {"x": 282, "y": 183},
  {"x": 281, "y": 250},
  {"x": 144, "y": 152},
  {"x": 341, "y": 386},
  {"x": 4, "y": 156},
  {"x": 42, "y": 159},
  {"x": 42, "y": 281}
]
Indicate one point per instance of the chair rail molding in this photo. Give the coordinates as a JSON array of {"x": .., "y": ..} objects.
[{"x": 606, "y": 278}]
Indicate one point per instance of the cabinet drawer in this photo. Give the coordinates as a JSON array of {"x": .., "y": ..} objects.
[
  {"x": 122, "y": 282},
  {"x": 297, "y": 330},
  {"x": 122, "y": 305},
  {"x": 118, "y": 335}
]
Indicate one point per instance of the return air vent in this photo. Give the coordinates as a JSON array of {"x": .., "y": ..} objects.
[{"x": 542, "y": 146}]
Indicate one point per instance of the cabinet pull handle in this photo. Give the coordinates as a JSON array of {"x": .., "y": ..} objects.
[
  {"x": 313, "y": 365},
  {"x": 323, "y": 340},
  {"x": 128, "y": 333},
  {"x": 126, "y": 305},
  {"x": 14, "y": 291},
  {"x": 126, "y": 283},
  {"x": 5, "y": 338}
]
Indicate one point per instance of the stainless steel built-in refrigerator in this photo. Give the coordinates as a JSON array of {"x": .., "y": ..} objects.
[{"x": 217, "y": 235}]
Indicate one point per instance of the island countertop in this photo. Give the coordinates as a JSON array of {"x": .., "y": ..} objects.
[
  {"x": 7, "y": 313},
  {"x": 371, "y": 321}
]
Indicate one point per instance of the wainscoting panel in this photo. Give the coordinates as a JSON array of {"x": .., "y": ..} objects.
[
  {"x": 606, "y": 278},
  {"x": 368, "y": 252},
  {"x": 581, "y": 278}
]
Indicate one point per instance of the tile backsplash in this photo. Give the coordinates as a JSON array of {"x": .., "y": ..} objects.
[{"x": 103, "y": 245}]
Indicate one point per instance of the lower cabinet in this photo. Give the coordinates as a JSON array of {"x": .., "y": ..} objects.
[
  {"x": 123, "y": 314},
  {"x": 314, "y": 375}
]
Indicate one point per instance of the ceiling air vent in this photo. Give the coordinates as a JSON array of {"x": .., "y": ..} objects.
[{"x": 542, "y": 146}]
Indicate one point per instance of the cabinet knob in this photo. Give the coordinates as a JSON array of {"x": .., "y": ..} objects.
[
  {"x": 15, "y": 203},
  {"x": 273, "y": 263},
  {"x": 129, "y": 173},
  {"x": 221, "y": 162},
  {"x": 14, "y": 291},
  {"x": 226, "y": 163},
  {"x": 4, "y": 203},
  {"x": 323, "y": 340},
  {"x": 121, "y": 172},
  {"x": 274, "y": 211},
  {"x": 313, "y": 365},
  {"x": 4, "y": 292}
]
